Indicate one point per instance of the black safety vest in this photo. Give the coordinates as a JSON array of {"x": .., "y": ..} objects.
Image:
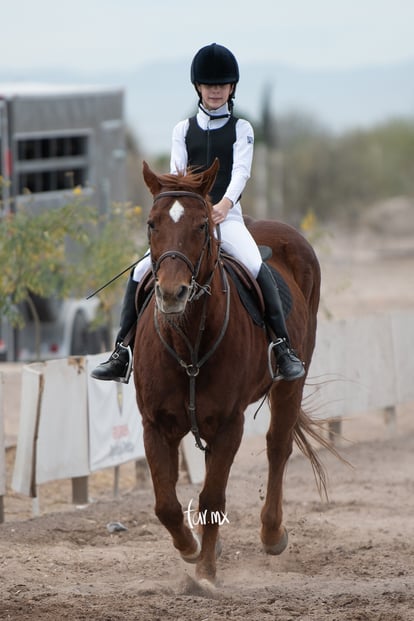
[{"x": 203, "y": 146}]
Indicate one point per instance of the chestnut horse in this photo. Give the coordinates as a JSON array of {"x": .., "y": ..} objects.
[{"x": 200, "y": 360}]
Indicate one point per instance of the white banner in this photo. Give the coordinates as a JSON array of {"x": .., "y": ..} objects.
[
  {"x": 2, "y": 442},
  {"x": 62, "y": 446},
  {"x": 12, "y": 377},
  {"x": 115, "y": 429},
  {"x": 24, "y": 465}
]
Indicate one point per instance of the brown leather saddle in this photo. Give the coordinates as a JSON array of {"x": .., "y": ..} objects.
[{"x": 248, "y": 289}]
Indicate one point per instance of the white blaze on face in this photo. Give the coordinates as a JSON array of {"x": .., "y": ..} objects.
[{"x": 176, "y": 211}]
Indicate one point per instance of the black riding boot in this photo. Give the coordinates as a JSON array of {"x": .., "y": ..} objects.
[
  {"x": 290, "y": 367},
  {"x": 119, "y": 365}
]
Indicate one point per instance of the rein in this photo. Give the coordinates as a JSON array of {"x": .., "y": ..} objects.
[{"x": 192, "y": 368}]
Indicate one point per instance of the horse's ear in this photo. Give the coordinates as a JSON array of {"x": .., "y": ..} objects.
[
  {"x": 209, "y": 177},
  {"x": 151, "y": 179}
]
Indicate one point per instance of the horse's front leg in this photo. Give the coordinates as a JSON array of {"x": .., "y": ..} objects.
[
  {"x": 212, "y": 500},
  {"x": 163, "y": 460},
  {"x": 285, "y": 404}
]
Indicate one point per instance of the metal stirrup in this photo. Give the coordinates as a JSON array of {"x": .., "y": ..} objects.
[
  {"x": 272, "y": 372},
  {"x": 125, "y": 379}
]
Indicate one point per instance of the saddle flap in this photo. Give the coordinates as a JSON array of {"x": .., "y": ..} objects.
[
  {"x": 265, "y": 252},
  {"x": 248, "y": 289}
]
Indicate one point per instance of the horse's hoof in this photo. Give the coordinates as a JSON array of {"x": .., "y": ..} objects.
[
  {"x": 207, "y": 588},
  {"x": 192, "y": 558},
  {"x": 278, "y": 547},
  {"x": 202, "y": 587}
]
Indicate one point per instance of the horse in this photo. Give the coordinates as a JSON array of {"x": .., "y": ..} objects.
[{"x": 199, "y": 361}]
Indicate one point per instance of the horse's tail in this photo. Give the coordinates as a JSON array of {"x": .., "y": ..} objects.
[{"x": 307, "y": 427}]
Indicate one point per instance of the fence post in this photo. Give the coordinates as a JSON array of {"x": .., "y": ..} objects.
[
  {"x": 80, "y": 490},
  {"x": 116, "y": 481},
  {"x": 390, "y": 419},
  {"x": 334, "y": 430}
]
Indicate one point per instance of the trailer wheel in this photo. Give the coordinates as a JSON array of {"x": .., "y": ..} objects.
[
  {"x": 79, "y": 342},
  {"x": 99, "y": 340},
  {"x": 86, "y": 341}
]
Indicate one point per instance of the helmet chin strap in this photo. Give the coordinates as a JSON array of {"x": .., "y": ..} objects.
[{"x": 213, "y": 116}]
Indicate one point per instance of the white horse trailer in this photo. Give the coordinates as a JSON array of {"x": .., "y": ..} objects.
[{"x": 52, "y": 139}]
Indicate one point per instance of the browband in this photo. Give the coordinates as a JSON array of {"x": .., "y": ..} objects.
[{"x": 170, "y": 193}]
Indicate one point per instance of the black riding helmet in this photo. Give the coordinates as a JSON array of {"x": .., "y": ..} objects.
[{"x": 214, "y": 64}]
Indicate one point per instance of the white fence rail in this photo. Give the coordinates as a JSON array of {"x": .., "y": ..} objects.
[
  {"x": 71, "y": 425},
  {"x": 364, "y": 363}
]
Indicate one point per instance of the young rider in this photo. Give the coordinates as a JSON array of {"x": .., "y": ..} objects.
[{"x": 215, "y": 132}]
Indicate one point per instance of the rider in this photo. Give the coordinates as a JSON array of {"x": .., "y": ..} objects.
[{"x": 214, "y": 132}]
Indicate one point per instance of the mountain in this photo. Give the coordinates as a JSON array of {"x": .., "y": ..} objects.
[{"x": 158, "y": 95}]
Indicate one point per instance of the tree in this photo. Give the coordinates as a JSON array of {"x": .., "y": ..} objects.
[
  {"x": 60, "y": 252},
  {"x": 114, "y": 244},
  {"x": 337, "y": 176},
  {"x": 34, "y": 256}
]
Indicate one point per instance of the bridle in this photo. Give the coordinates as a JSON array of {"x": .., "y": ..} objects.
[
  {"x": 196, "y": 290},
  {"x": 193, "y": 367}
]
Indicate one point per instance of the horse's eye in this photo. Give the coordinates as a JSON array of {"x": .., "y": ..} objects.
[{"x": 150, "y": 229}]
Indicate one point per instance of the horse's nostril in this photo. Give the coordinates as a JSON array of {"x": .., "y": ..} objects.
[{"x": 182, "y": 292}]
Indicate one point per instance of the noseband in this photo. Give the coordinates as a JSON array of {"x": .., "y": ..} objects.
[{"x": 176, "y": 254}]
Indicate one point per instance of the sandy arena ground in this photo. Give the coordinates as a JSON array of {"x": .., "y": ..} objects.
[{"x": 351, "y": 559}]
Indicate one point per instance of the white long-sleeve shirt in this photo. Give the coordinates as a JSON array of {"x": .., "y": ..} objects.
[{"x": 242, "y": 152}]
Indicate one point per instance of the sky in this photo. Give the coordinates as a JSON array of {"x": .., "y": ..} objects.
[
  {"x": 102, "y": 35},
  {"x": 119, "y": 41}
]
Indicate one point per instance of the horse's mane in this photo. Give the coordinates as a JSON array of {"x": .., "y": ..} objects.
[{"x": 188, "y": 181}]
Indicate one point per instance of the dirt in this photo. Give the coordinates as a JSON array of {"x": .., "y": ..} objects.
[{"x": 349, "y": 559}]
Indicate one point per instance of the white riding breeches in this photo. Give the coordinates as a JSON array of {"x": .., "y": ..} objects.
[
  {"x": 142, "y": 268},
  {"x": 236, "y": 241}
]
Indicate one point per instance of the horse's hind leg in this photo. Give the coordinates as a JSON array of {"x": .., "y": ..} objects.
[
  {"x": 163, "y": 459},
  {"x": 285, "y": 406}
]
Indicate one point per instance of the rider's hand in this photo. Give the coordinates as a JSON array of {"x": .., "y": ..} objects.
[{"x": 221, "y": 209}]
